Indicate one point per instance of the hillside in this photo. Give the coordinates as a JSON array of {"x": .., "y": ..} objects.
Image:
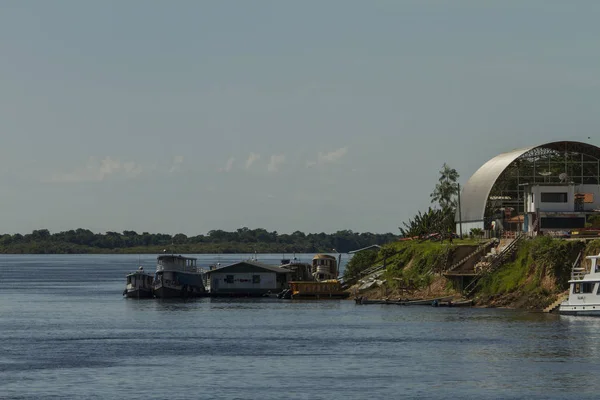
[{"x": 536, "y": 276}]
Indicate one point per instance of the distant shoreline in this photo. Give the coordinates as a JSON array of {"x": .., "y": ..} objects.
[{"x": 241, "y": 241}]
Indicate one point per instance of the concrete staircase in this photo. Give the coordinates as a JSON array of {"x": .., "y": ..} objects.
[
  {"x": 562, "y": 297},
  {"x": 503, "y": 257},
  {"x": 481, "y": 249}
]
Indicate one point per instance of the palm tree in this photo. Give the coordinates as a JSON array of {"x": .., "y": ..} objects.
[{"x": 447, "y": 188}]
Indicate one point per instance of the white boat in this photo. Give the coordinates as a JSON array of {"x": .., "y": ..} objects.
[
  {"x": 178, "y": 276},
  {"x": 584, "y": 290},
  {"x": 139, "y": 284}
]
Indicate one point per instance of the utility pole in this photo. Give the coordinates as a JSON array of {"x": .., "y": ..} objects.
[{"x": 459, "y": 214}]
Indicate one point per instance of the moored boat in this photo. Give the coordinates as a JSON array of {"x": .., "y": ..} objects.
[
  {"x": 584, "y": 290},
  {"x": 177, "y": 277},
  {"x": 330, "y": 289},
  {"x": 139, "y": 284},
  {"x": 426, "y": 302}
]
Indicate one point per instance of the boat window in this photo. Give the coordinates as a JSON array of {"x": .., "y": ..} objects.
[
  {"x": 229, "y": 279},
  {"x": 587, "y": 287},
  {"x": 255, "y": 278},
  {"x": 577, "y": 288}
]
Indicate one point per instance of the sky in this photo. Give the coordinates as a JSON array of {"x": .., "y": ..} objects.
[{"x": 313, "y": 115}]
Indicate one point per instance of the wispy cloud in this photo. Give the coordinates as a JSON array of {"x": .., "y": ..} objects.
[
  {"x": 228, "y": 166},
  {"x": 251, "y": 159},
  {"x": 328, "y": 158},
  {"x": 276, "y": 161},
  {"x": 97, "y": 170},
  {"x": 176, "y": 164}
]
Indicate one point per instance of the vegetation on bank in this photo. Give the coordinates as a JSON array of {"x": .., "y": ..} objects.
[
  {"x": 243, "y": 240},
  {"x": 411, "y": 265},
  {"x": 533, "y": 280},
  {"x": 539, "y": 273}
]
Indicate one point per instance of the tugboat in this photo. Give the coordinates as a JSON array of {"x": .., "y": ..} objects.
[
  {"x": 324, "y": 283},
  {"x": 177, "y": 277},
  {"x": 139, "y": 285},
  {"x": 584, "y": 290}
]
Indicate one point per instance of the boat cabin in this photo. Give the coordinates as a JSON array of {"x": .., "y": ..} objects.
[
  {"x": 324, "y": 267},
  {"x": 584, "y": 289},
  {"x": 172, "y": 262},
  {"x": 137, "y": 279}
]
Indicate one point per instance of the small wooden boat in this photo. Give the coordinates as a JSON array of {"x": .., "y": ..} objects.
[
  {"x": 450, "y": 303},
  {"x": 329, "y": 289},
  {"x": 426, "y": 302},
  {"x": 361, "y": 300}
]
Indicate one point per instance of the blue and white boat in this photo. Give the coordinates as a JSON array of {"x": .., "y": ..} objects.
[{"x": 584, "y": 290}]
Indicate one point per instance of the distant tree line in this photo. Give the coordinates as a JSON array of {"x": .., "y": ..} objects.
[{"x": 243, "y": 240}]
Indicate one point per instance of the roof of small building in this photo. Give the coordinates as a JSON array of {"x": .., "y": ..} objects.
[
  {"x": 321, "y": 256},
  {"x": 253, "y": 263},
  {"x": 180, "y": 257}
]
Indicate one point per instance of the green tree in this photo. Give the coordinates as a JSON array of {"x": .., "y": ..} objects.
[
  {"x": 360, "y": 262},
  {"x": 447, "y": 188}
]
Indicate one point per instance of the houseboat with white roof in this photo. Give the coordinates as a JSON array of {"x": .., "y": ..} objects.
[
  {"x": 177, "y": 277},
  {"x": 584, "y": 290}
]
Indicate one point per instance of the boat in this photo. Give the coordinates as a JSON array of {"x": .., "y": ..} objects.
[
  {"x": 320, "y": 279},
  {"x": 450, "y": 303},
  {"x": 329, "y": 289},
  {"x": 584, "y": 290},
  {"x": 361, "y": 300},
  {"x": 436, "y": 302},
  {"x": 139, "y": 284},
  {"x": 426, "y": 302},
  {"x": 178, "y": 277}
]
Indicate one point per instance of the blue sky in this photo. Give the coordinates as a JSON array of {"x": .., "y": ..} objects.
[{"x": 188, "y": 116}]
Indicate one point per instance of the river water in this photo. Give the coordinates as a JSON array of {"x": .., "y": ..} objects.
[{"x": 66, "y": 332}]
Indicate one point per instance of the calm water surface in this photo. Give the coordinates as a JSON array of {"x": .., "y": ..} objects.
[{"x": 66, "y": 332}]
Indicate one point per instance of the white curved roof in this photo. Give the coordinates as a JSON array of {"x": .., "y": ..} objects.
[{"x": 475, "y": 193}]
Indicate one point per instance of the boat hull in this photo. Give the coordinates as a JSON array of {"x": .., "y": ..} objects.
[
  {"x": 590, "y": 310},
  {"x": 139, "y": 293},
  {"x": 163, "y": 292},
  {"x": 320, "y": 296}
]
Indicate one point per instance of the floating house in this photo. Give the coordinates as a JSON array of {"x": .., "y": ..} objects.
[{"x": 246, "y": 278}]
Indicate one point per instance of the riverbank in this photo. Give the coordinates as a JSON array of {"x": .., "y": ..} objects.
[
  {"x": 241, "y": 241},
  {"x": 537, "y": 275}
]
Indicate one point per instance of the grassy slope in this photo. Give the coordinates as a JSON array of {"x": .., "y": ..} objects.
[
  {"x": 409, "y": 267},
  {"x": 539, "y": 273}
]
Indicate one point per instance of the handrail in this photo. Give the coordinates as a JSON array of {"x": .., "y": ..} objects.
[
  {"x": 495, "y": 264},
  {"x": 480, "y": 248},
  {"x": 576, "y": 271}
]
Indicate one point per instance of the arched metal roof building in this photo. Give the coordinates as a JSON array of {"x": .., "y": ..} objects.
[{"x": 500, "y": 182}]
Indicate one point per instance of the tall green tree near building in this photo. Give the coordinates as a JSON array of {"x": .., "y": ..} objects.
[{"x": 446, "y": 190}]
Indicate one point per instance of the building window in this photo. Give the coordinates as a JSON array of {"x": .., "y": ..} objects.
[
  {"x": 255, "y": 278},
  {"x": 550, "y": 197},
  {"x": 229, "y": 279},
  {"x": 587, "y": 287}
]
